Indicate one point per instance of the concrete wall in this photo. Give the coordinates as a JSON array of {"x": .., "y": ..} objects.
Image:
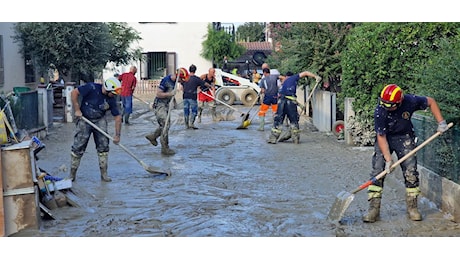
[
  {"x": 324, "y": 110},
  {"x": 12, "y": 60},
  {"x": 183, "y": 38},
  {"x": 441, "y": 191}
]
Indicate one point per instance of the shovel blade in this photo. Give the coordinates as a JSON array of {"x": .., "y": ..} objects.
[
  {"x": 340, "y": 205},
  {"x": 244, "y": 124},
  {"x": 153, "y": 170}
]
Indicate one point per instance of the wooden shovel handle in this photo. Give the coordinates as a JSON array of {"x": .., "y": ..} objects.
[
  {"x": 394, "y": 165},
  {"x": 223, "y": 103}
]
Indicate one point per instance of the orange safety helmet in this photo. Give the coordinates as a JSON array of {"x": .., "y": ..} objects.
[
  {"x": 183, "y": 74},
  {"x": 391, "y": 96}
]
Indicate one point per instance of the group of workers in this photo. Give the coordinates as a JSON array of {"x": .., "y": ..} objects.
[{"x": 392, "y": 115}]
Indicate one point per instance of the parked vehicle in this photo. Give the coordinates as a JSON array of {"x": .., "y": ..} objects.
[{"x": 232, "y": 88}]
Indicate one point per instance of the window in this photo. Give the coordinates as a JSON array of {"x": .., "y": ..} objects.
[
  {"x": 156, "y": 65},
  {"x": 29, "y": 69}
]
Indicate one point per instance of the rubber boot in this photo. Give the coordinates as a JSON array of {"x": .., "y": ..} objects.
[
  {"x": 200, "y": 110},
  {"x": 374, "y": 196},
  {"x": 411, "y": 201},
  {"x": 261, "y": 123},
  {"x": 374, "y": 211},
  {"x": 187, "y": 126},
  {"x": 284, "y": 136},
  {"x": 74, "y": 164},
  {"x": 214, "y": 115},
  {"x": 103, "y": 165},
  {"x": 192, "y": 123},
  {"x": 126, "y": 119},
  {"x": 274, "y": 135},
  {"x": 165, "y": 150},
  {"x": 153, "y": 137},
  {"x": 295, "y": 133}
]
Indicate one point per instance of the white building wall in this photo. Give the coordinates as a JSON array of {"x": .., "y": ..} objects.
[
  {"x": 183, "y": 38},
  {"x": 12, "y": 60}
]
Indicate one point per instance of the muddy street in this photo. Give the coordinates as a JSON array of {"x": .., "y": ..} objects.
[{"x": 225, "y": 183}]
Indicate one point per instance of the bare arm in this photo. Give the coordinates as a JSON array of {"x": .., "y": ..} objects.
[
  {"x": 435, "y": 109},
  {"x": 309, "y": 74},
  {"x": 76, "y": 105},
  {"x": 116, "y": 138},
  {"x": 160, "y": 94},
  {"x": 383, "y": 145}
]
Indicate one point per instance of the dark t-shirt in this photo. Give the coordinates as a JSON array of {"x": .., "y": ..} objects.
[
  {"x": 209, "y": 81},
  {"x": 289, "y": 87},
  {"x": 398, "y": 122},
  {"x": 93, "y": 101},
  {"x": 191, "y": 86},
  {"x": 270, "y": 83},
  {"x": 166, "y": 85}
]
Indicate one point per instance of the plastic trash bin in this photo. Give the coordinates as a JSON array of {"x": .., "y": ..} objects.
[{"x": 18, "y": 90}]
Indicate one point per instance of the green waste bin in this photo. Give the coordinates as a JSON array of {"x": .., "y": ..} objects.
[{"x": 18, "y": 90}]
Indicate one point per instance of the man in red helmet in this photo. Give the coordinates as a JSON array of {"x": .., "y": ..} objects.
[
  {"x": 164, "y": 95},
  {"x": 395, "y": 133}
]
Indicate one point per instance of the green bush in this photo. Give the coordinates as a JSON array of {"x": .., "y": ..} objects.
[{"x": 378, "y": 54}]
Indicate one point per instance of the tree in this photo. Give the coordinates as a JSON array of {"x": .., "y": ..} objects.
[
  {"x": 219, "y": 44},
  {"x": 75, "y": 48},
  {"x": 316, "y": 47},
  {"x": 251, "y": 32},
  {"x": 123, "y": 36}
]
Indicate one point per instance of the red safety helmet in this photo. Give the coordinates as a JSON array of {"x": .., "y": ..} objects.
[
  {"x": 183, "y": 74},
  {"x": 391, "y": 96}
]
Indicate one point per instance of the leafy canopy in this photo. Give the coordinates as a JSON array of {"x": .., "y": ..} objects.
[
  {"x": 219, "y": 44},
  {"x": 251, "y": 32},
  {"x": 75, "y": 48}
]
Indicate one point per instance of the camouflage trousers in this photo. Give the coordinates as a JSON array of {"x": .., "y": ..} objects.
[
  {"x": 161, "y": 113},
  {"x": 83, "y": 133}
]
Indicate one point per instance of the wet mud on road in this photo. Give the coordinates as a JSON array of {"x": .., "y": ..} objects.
[{"x": 226, "y": 183}]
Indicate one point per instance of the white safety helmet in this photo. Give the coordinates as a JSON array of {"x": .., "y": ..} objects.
[{"x": 113, "y": 85}]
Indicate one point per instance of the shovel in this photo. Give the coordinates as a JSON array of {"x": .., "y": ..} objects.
[
  {"x": 344, "y": 198},
  {"x": 223, "y": 103},
  {"x": 143, "y": 101},
  {"x": 48, "y": 200},
  {"x": 301, "y": 106},
  {"x": 246, "y": 121},
  {"x": 150, "y": 169}
]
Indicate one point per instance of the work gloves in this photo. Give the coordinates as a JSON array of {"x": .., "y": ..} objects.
[
  {"x": 388, "y": 166},
  {"x": 442, "y": 126}
]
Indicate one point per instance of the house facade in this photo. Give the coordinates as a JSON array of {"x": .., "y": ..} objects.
[
  {"x": 167, "y": 46},
  {"x": 12, "y": 65}
]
